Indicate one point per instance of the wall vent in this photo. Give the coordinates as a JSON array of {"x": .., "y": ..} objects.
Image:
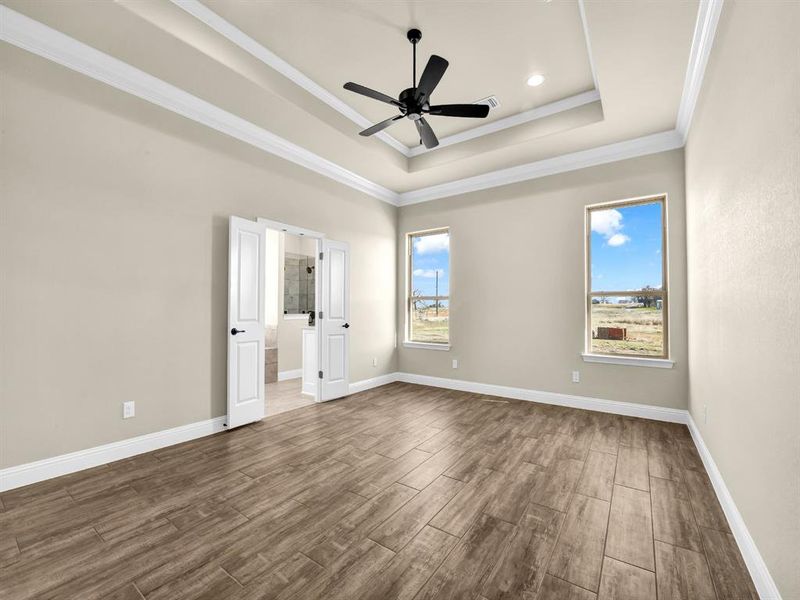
[{"x": 491, "y": 101}]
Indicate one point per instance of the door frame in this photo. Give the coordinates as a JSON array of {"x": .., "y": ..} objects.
[{"x": 318, "y": 236}]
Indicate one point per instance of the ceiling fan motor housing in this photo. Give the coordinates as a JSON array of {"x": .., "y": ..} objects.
[{"x": 412, "y": 106}]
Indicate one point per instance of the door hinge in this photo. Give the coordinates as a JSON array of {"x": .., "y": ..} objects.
[
  {"x": 320, "y": 374},
  {"x": 320, "y": 255},
  {"x": 319, "y": 316}
]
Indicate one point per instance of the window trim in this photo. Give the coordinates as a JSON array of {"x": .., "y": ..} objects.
[
  {"x": 628, "y": 360},
  {"x": 408, "y": 342},
  {"x": 427, "y": 345},
  {"x": 663, "y": 293}
]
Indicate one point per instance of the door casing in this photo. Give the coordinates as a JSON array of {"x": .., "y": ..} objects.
[{"x": 318, "y": 283}]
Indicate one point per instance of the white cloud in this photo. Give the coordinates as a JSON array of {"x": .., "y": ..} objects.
[
  {"x": 429, "y": 273},
  {"x": 618, "y": 239},
  {"x": 432, "y": 243},
  {"x": 608, "y": 223}
]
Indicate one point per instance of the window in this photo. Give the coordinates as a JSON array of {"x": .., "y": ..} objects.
[
  {"x": 626, "y": 303},
  {"x": 428, "y": 311}
]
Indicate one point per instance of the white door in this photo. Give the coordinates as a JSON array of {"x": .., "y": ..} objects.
[
  {"x": 246, "y": 321},
  {"x": 333, "y": 324}
]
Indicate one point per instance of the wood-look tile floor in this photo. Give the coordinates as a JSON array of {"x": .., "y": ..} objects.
[
  {"x": 403, "y": 491},
  {"x": 285, "y": 395}
]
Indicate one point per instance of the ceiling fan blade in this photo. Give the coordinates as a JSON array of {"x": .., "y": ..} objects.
[
  {"x": 379, "y": 126},
  {"x": 475, "y": 111},
  {"x": 365, "y": 91},
  {"x": 431, "y": 76},
  {"x": 426, "y": 133}
]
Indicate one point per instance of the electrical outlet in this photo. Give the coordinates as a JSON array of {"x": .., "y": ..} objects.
[
  {"x": 455, "y": 363},
  {"x": 128, "y": 409},
  {"x": 374, "y": 362},
  {"x": 576, "y": 377}
]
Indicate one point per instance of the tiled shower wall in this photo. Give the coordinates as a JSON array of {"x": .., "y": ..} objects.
[{"x": 298, "y": 288}]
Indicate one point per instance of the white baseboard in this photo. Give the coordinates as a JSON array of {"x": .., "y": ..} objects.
[
  {"x": 762, "y": 579},
  {"x": 14, "y": 477},
  {"x": 293, "y": 374},
  {"x": 368, "y": 384},
  {"x": 645, "y": 411},
  {"x": 48, "y": 468}
]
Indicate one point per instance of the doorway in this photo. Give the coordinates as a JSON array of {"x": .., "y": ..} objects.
[
  {"x": 291, "y": 301},
  {"x": 283, "y": 276}
]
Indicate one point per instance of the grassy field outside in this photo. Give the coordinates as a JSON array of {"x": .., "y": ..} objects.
[
  {"x": 645, "y": 329},
  {"x": 427, "y": 326}
]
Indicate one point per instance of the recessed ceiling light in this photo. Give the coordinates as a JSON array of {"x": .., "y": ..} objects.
[{"x": 535, "y": 80}]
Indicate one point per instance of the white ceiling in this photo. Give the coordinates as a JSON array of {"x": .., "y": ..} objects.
[
  {"x": 492, "y": 47},
  {"x": 280, "y": 65}
]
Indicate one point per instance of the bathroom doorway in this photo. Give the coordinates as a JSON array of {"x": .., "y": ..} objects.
[
  {"x": 291, "y": 299},
  {"x": 294, "y": 281},
  {"x": 261, "y": 300}
]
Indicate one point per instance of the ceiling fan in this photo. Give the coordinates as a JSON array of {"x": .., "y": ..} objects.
[{"x": 414, "y": 102}]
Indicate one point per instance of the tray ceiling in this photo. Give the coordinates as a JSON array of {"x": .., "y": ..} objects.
[
  {"x": 492, "y": 48},
  {"x": 616, "y": 72}
]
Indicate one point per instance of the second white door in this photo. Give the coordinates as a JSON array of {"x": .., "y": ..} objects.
[{"x": 333, "y": 324}]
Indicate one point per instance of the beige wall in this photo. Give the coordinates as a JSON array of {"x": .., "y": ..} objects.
[
  {"x": 113, "y": 260},
  {"x": 518, "y": 280},
  {"x": 743, "y": 214}
]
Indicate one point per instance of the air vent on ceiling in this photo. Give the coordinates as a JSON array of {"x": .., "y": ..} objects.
[{"x": 492, "y": 102}]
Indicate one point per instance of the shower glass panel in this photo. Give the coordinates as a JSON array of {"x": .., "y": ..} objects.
[{"x": 299, "y": 272}]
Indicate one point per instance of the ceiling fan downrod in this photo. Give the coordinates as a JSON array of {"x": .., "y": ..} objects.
[{"x": 414, "y": 36}]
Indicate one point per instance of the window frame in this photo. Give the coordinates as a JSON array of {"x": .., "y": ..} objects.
[
  {"x": 663, "y": 293},
  {"x": 409, "y": 342}
]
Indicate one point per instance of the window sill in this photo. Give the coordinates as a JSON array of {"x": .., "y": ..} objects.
[
  {"x": 295, "y": 317},
  {"x": 632, "y": 361},
  {"x": 427, "y": 346}
]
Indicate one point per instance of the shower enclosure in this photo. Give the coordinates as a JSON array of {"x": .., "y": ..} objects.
[{"x": 298, "y": 288}]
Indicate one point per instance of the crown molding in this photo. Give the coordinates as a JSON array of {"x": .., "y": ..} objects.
[
  {"x": 702, "y": 42},
  {"x": 649, "y": 144},
  {"x": 540, "y": 112},
  {"x": 236, "y": 36},
  {"x": 35, "y": 37}
]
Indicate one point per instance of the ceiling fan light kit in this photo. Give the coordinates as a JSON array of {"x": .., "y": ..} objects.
[{"x": 414, "y": 102}]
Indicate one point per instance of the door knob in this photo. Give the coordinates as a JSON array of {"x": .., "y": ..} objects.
[
  {"x": 346, "y": 325},
  {"x": 234, "y": 331}
]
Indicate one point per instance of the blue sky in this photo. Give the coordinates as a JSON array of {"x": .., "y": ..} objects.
[
  {"x": 431, "y": 254},
  {"x": 626, "y": 247}
]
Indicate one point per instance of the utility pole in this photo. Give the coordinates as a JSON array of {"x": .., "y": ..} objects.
[{"x": 437, "y": 292}]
